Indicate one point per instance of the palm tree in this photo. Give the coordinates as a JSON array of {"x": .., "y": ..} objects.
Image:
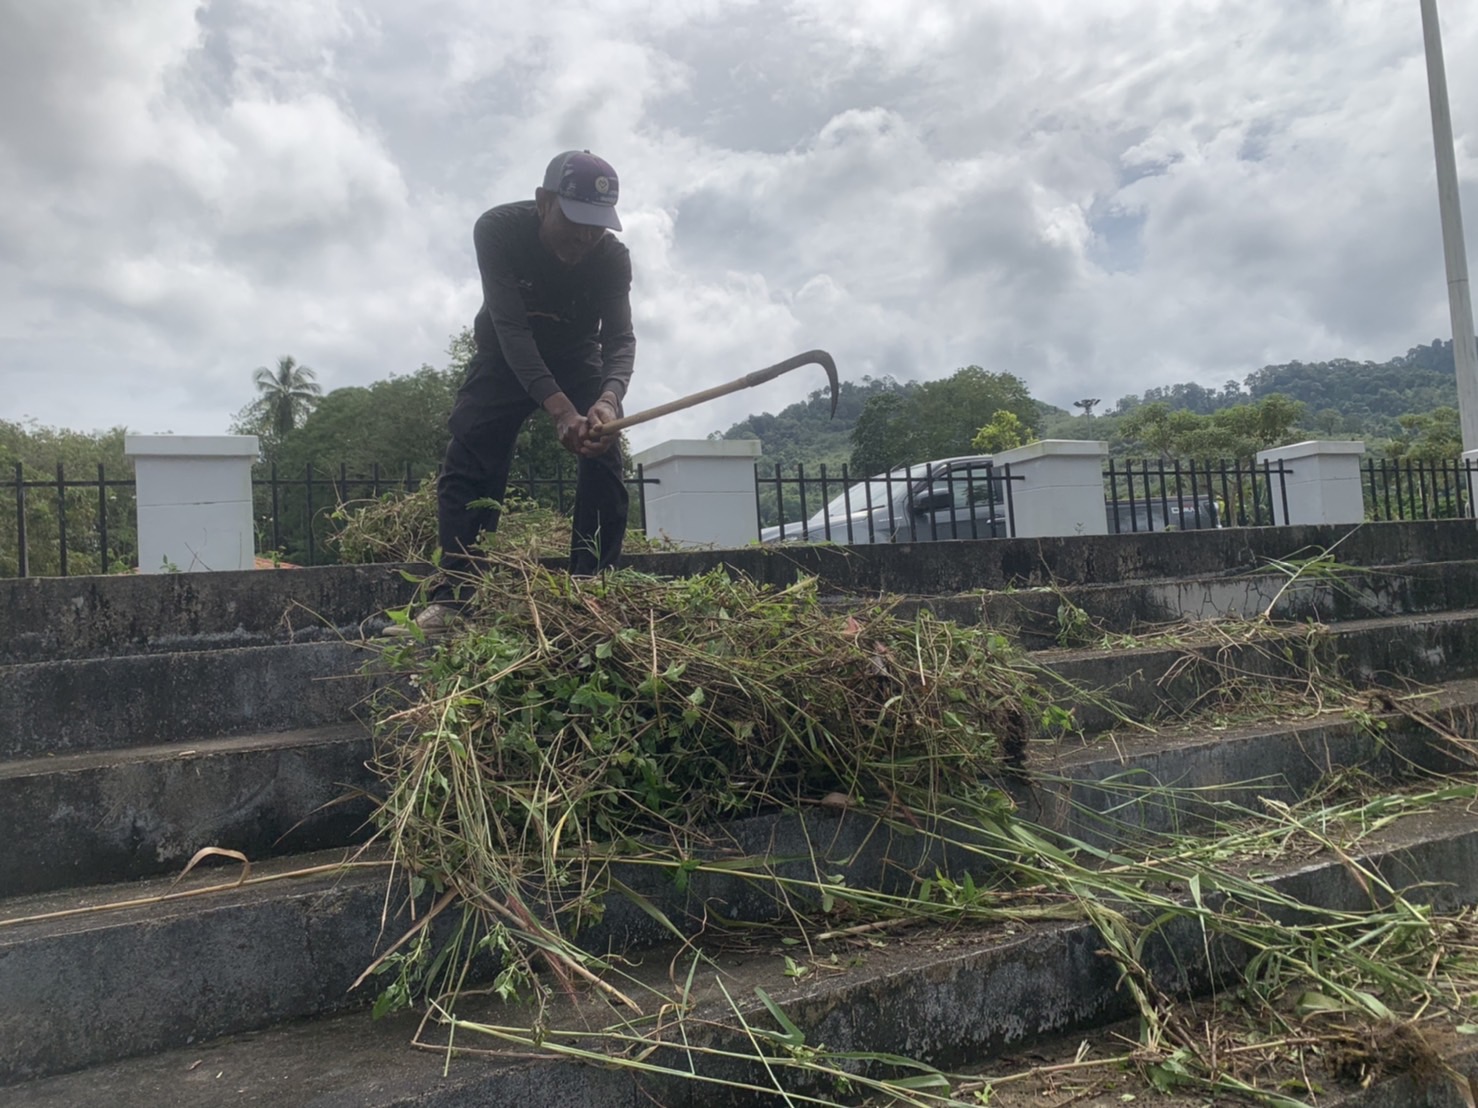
[{"x": 286, "y": 395}]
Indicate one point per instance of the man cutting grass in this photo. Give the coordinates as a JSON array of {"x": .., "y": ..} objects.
[{"x": 554, "y": 332}]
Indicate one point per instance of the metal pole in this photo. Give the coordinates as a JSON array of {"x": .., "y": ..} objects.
[
  {"x": 22, "y": 551},
  {"x": 1459, "y": 299}
]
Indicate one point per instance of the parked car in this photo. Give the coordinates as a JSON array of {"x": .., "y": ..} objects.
[
  {"x": 952, "y": 498},
  {"x": 961, "y": 498},
  {"x": 1163, "y": 514}
]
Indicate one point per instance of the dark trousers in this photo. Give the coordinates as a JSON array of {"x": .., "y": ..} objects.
[{"x": 490, "y": 409}]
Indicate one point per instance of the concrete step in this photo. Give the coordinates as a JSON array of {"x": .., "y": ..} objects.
[
  {"x": 1041, "y": 618},
  {"x": 941, "y": 568},
  {"x": 67, "y": 707},
  {"x": 64, "y": 707},
  {"x": 1110, "y": 1084},
  {"x": 83, "y": 617},
  {"x": 137, "y": 806},
  {"x": 1162, "y": 682},
  {"x": 87, "y": 986},
  {"x": 97, "y": 985},
  {"x": 952, "y": 999},
  {"x": 101, "y": 816},
  {"x": 45, "y": 618}
]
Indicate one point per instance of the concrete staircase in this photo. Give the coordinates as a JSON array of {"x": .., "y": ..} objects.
[{"x": 145, "y": 718}]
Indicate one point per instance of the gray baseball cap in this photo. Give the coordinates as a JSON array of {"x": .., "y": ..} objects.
[{"x": 587, "y": 188}]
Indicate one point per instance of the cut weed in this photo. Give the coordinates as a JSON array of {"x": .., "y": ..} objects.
[{"x": 585, "y": 742}]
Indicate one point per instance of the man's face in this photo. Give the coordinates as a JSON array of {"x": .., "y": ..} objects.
[{"x": 569, "y": 242}]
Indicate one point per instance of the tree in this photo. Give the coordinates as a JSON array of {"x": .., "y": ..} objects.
[
  {"x": 286, "y": 396},
  {"x": 1236, "y": 432},
  {"x": 938, "y": 420},
  {"x": 949, "y": 412},
  {"x": 1435, "y": 436},
  {"x": 1260, "y": 425},
  {"x": 881, "y": 435},
  {"x": 1003, "y": 432},
  {"x": 461, "y": 349},
  {"x": 1088, "y": 403}
]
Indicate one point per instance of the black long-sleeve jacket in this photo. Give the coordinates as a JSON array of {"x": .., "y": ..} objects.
[{"x": 540, "y": 318}]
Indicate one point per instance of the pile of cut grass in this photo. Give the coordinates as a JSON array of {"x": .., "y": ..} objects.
[
  {"x": 575, "y": 723},
  {"x": 579, "y": 727}
]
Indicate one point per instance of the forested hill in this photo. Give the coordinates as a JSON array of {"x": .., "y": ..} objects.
[
  {"x": 1341, "y": 395},
  {"x": 804, "y": 433}
]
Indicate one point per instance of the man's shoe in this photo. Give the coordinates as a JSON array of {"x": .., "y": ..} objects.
[{"x": 435, "y": 619}]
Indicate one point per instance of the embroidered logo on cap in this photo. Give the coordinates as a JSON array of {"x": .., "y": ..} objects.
[{"x": 588, "y": 179}]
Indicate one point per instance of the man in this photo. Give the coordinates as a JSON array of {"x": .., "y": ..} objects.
[{"x": 554, "y": 332}]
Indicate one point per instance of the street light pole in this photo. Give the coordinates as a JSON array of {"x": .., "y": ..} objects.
[{"x": 1459, "y": 299}]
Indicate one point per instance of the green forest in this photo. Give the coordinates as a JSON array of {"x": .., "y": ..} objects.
[{"x": 1402, "y": 408}]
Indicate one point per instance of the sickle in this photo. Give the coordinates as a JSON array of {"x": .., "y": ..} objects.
[{"x": 748, "y": 381}]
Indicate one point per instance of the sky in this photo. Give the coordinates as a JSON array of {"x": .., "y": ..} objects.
[{"x": 1099, "y": 196}]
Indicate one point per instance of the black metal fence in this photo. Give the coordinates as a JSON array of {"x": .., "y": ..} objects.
[
  {"x": 1156, "y": 495},
  {"x": 1405, "y": 489},
  {"x": 85, "y": 525},
  {"x": 69, "y": 525},
  {"x": 64, "y": 526},
  {"x": 1139, "y": 495}
]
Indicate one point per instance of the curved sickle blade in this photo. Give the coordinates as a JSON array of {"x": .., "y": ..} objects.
[
  {"x": 758, "y": 377},
  {"x": 810, "y": 357}
]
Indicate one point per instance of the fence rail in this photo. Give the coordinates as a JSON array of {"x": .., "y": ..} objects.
[
  {"x": 57, "y": 516},
  {"x": 1139, "y": 496},
  {"x": 1193, "y": 495},
  {"x": 1397, "y": 489},
  {"x": 974, "y": 498},
  {"x": 87, "y": 524}
]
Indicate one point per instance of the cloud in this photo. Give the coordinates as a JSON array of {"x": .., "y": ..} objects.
[{"x": 1120, "y": 195}]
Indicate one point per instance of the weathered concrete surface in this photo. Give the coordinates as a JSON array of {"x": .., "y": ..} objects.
[
  {"x": 945, "y": 567},
  {"x": 110, "y": 816},
  {"x": 89, "y": 988},
  {"x": 147, "y": 699},
  {"x": 84, "y": 819},
  {"x": 954, "y": 1002},
  {"x": 113, "y": 703},
  {"x": 95, "y": 988},
  {"x": 77, "y": 617},
  {"x": 1035, "y": 617},
  {"x": 1100, "y": 793},
  {"x": 1148, "y": 683},
  {"x": 81, "y": 991},
  {"x": 120, "y": 814}
]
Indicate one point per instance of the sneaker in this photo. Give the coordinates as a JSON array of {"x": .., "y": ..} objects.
[{"x": 435, "y": 619}]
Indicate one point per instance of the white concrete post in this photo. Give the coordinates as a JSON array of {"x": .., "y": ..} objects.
[
  {"x": 705, "y": 495},
  {"x": 194, "y": 501},
  {"x": 1323, "y": 483},
  {"x": 1060, "y": 491},
  {"x": 1470, "y": 475}
]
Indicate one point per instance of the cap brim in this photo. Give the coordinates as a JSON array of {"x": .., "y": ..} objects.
[{"x": 592, "y": 215}]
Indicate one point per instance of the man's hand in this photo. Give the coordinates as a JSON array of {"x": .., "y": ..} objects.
[
  {"x": 607, "y": 408},
  {"x": 569, "y": 425}
]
